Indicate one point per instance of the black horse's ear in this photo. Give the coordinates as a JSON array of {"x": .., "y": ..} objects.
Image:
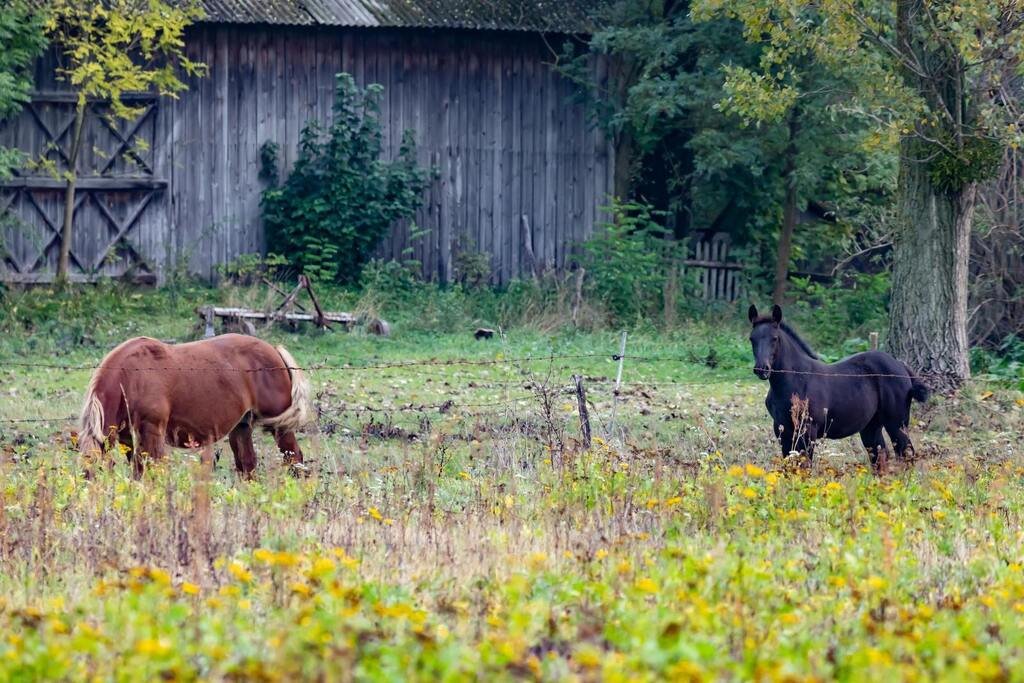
[
  {"x": 776, "y": 314},
  {"x": 752, "y": 312}
]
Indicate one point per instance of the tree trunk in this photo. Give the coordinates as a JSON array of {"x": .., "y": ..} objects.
[
  {"x": 931, "y": 243},
  {"x": 66, "y": 234},
  {"x": 931, "y": 251},
  {"x": 788, "y": 215}
]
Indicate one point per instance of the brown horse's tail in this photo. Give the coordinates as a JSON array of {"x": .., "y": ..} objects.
[
  {"x": 91, "y": 436},
  {"x": 300, "y": 412}
]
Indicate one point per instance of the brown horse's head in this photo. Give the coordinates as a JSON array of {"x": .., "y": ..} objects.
[{"x": 764, "y": 339}]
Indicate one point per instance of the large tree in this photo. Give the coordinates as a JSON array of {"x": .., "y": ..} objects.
[
  {"x": 707, "y": 143},
  {"x": 932, "y": 75},
  {"x": 21, "y": 41}
]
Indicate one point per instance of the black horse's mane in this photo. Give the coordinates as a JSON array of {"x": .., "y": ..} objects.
[
  {"x": 784, "y": 326},
  {"x": 799, "y": 340}
]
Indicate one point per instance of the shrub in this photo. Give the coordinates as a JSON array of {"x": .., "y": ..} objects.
[
  {"x": 836, "y": 312},
  {"x": 341, "y": 197},
  {"x": 628, "y": 262},
  {"x": 1005, "y": 361},
  {"x": 247, "y": 269}
]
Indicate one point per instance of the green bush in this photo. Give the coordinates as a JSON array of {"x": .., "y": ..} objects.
[
  {"x": 341, "y": 197},
  {"x": 628, "y": 262},
  {"x": 842, "y": 313},
  {"x": 247, "y": 269},
  {"x": 1005, "y": 362}
]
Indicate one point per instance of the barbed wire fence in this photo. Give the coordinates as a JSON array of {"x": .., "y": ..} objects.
[{"x": 533, "y": 389}]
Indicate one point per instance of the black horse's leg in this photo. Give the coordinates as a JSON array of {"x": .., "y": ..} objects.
[
  {"x": 805, "y": 441},
  {"x": 785, "y": 434},
  {"x": 901, "y": 442},
  {"x": 874, "y": 442}
]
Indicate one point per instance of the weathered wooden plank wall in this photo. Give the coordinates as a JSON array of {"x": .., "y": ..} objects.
[{"x": 487, "y": 111}]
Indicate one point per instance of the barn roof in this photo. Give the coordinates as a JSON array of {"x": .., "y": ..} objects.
[{"x": 560, "y": 16}]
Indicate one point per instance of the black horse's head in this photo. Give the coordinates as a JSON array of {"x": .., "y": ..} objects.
[{"x": 764, "y": 339}]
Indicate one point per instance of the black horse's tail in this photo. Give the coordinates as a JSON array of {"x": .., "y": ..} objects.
[{"x": 918, "y": 391}]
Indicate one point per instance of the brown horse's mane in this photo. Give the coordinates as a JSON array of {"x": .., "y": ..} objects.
[{"x": 784, "y": 326}]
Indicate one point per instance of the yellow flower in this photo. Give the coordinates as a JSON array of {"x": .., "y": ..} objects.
[
  {"x": 303, "y": 589},
  {"x": 587, "y": 657},
  {"x": 938, "y": 515},
  {"x": 672, "y": 502},
  {"x": 533, "y": 664},
  {"x": 833, "y": 487},
  {"x": 465, "y": 475},
  {"x": 753, "y": 470},
  {"x": 322, "y": 566},
  {"x": 686, "y": 672},
  {"x": 237, "y": 570},
  {"x": 537, "y": 561},
  {"x": 646, "y": 585},
  {"x": 876, "y": 583},
  {"x": 152, "y": 646},
  {"x": 735, "y": 471},
  {"x": 375, "y": 513},
  {"x": 160, "y": 576},
  {"x": 263, "y": 555},
  {"x": 749, "y": 493},
  {"x": 189, "y": 588},
  {"x": 600, "y": 554}
]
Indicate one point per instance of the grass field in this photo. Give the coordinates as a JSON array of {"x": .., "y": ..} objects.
[{"x": 452, "y": 527}]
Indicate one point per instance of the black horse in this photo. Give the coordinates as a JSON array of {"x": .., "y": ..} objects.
[{"x": 809, "y": 399}]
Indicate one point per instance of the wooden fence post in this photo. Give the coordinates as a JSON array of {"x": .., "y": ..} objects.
[
  {"x": 581, "y": 401},
  {"x": 618, "y": 383},
  {"x": 874, "y": 341}
]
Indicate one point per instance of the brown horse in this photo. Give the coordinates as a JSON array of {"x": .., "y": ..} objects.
[{"x": 148, "y": 395}]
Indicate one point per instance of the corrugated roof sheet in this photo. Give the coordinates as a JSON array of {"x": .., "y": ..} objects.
[{"x": 562, "y": 16}]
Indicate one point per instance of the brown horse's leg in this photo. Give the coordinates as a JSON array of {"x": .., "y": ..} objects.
[
  {"x": 152, "y": 437},
  {"x": 241, "y": 445},
  {"x": 289, "y": 446}
]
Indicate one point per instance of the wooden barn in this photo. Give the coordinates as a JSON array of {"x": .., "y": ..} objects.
[{"x": 471, "y": 78}]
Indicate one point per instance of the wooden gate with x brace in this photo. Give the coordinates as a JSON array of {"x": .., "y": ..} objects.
[{"x": 120, "y": 212}]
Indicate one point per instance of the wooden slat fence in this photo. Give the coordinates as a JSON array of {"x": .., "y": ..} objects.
[{"x": 718, "y": 278}]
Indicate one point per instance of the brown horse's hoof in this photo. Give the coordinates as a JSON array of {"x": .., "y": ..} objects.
[{"x": 299, "y": 469}]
